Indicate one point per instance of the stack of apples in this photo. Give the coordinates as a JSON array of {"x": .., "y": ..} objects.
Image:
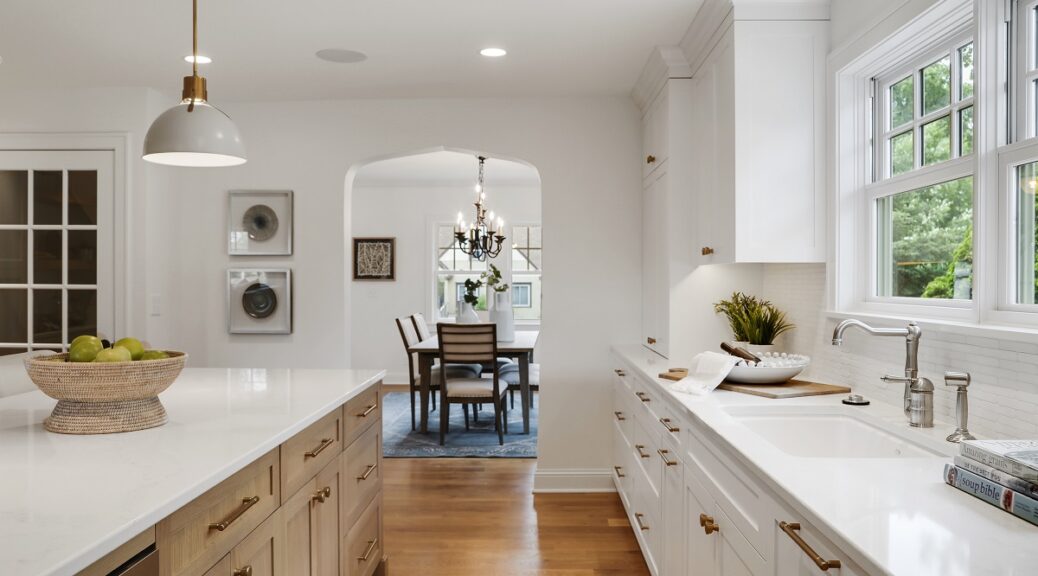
[{"x": 88, "y": 348}]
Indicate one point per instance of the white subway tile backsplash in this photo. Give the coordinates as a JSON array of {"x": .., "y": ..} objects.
[{"x": 1004, "y": 391}]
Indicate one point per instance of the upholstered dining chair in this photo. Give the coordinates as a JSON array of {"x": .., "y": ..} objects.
[
  {"x": 510, "y": 375},
  {"x": 410, "y": 337},
  {"x": 471, "y": 343}
]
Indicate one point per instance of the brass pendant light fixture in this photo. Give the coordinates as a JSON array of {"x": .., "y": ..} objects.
[{"x": 194, "y": 133}]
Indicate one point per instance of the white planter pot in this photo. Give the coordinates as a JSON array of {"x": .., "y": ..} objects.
[
  {"x": 466, "y": 313},
  {"x": 503, "y": 315}
]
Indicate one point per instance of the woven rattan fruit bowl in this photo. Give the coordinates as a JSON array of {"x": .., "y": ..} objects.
[{"x": 104, "y": 397}]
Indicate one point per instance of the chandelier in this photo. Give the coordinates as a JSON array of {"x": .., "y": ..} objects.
[{"x": 480, "y": 240}]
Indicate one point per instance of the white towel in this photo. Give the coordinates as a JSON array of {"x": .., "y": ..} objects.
[{"x": 707, "y": 371}]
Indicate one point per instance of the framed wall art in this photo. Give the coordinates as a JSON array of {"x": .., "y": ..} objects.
[
  {"x": 259, "y": 301},
  {"x": 374, "y": 258},
  {"x": 259, "y": 222}
]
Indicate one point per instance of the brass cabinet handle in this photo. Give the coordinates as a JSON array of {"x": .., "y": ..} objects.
[
  {"x": 326, "y": 442},
  {"x": 367, "y": 472},
  {"x": 367, "y": 553},
  {"x": 638, "y": 518},
  {"x": 663, "y": 454},
  {"x": 620, "y": 416},
  {"x": 369, "y": 410},
  {"x": 619, "y": 472},
  {"x": 643, "y": 396},
  {"x": 639, "y": 447},
  {"x": 650, "y": 340},
  {"x": 322, "y": 494},
  {"x": 706, "y": 251},
  {"x": 708, "y": 524},
  {"x": 790, "y": 528},
  {"x": 246, "y": 503},
  {"x": 666, "y": 424},
  {"x": 620, "y": 373},
  {"x": 246, "y": 571}
]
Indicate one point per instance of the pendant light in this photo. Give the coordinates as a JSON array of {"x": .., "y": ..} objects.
[{"x": 194, "y": 133}]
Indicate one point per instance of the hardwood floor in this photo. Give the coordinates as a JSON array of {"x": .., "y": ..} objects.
[{"x": 478, "y": 517}]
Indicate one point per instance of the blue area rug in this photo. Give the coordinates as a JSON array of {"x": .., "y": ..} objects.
[{"x": 480, "y": 441}]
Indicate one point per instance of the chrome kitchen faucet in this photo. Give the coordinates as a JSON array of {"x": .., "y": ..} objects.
[{"x": 918, "y": 391}]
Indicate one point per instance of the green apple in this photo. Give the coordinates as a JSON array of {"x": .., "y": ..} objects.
[
  {"x": 154, "y": 355},
  {"x": 114, "y": 354},
  {"x": 133, "y": 345},
  {"x": 85, "y": 338},
  {"x": 84, "y": 350}
]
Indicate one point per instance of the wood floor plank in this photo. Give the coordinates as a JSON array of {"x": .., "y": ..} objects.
[{"x": 479, "y": 517}]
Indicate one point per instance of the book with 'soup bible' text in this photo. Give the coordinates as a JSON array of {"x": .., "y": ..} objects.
[
  {"x": 1014, "y": 457},
  {"x": 1016, "y": 504}
]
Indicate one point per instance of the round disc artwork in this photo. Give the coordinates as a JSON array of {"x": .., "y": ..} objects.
[
  {"x": 260, "y": 222},
  {"x": 259, "y": 300}
]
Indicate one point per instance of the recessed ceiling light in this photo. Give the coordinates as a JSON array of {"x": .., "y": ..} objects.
[
  {"x": 341, "y": 56},
  {"x": 493, "y": 52},
  {"x": 201, "y": 59}
]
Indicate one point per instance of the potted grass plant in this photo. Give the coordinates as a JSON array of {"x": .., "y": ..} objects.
[{"x": 755, "y": 322}]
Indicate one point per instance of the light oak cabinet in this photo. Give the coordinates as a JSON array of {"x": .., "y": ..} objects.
[{"x": 311, "y": 519}]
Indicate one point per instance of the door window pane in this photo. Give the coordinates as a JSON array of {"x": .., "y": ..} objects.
[
  {"x": 936, "y": 84},
  {"x": 14, "y": 197},
  {"x": 46, "y": 316},
  {"x": 14, "y": 311},
  {"x": 966, "y": 131},
  {"x": 14, "y": 267},
  {"x": 937, "y": 141},
  {"x": 901, "y": 98},
  {"x": 82, "y": 313},
  {"x": 902, "y": 153},
  {"x": 46, "y": 257},
  {"x": 526, "y": 296},
  {"x": 966, "y": 71},
  {"x": 925, "y": 242},
  {"x": 1026, "y": 220},
  {"x": 82, "y": 197},
  {"x": 46, "y": 194},
  {"x": 82, "y": 257}
]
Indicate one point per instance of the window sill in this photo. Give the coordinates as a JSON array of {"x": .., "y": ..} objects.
[{"x": 1008, "y": 332}]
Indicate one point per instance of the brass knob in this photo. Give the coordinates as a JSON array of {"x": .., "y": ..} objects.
[
  {"x": 322, "y": 494},
  {"x": 706, "y": 251},
  {"x": 650, "y": 340},
  {"x": 650, "y": 159},
  {"x": 707, "y": 522},
  {"x": 620, "y": 372},
  {"x": 246, "y": 571}
]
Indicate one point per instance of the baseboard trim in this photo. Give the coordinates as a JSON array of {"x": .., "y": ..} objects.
[{"x": 569, "y": 480}]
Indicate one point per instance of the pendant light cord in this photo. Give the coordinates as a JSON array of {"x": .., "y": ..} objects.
[{"x": 194, "y": 53}]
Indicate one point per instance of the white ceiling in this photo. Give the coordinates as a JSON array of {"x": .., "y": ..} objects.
[
  {"x": 264, "y": 49},
  {"x": 445, "y": 168}
]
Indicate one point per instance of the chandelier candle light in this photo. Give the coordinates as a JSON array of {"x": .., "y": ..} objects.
[{"x": 480, "y": 240}]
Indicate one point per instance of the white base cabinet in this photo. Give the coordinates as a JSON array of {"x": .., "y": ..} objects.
[{"x": 695, "y": 509}]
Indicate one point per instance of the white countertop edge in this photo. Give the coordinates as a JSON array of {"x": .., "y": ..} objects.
[{"x": 88, "y": 556}]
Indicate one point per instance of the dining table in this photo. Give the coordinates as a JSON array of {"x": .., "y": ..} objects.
[{"x": 520, "y": 349}]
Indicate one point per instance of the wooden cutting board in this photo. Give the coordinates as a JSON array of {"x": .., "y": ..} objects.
[{"x": 791, "y": 389}]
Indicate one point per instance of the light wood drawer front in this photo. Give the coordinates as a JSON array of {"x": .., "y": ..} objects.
[
  {"x": 190, "y": 540},
  {"x": 360, "y": 412},
  {"x": 262, "y": 552},
  {"x": 361, "y": 473},
  {"x": 309, "y": 451},
  {"x": 362, "y": 548},
  {"x": 222, "y": 568}
]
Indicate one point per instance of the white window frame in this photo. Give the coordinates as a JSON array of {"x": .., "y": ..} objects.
[
  {"x": 529, "y": 294},
  {"x": 539, "y": 273}
]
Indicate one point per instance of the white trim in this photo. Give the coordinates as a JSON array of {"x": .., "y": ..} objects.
[{"x": 573, "y": 480}]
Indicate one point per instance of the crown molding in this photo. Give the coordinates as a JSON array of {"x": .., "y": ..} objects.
[{"x": 664, "y": 63}]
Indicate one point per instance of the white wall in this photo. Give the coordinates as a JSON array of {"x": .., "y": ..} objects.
[{"x": 409, "y": 213}]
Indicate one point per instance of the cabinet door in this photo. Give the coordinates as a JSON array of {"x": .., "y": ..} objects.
[
  {"x": 297, "y": 513},
  {"x": 700, "y": 547},
  {"x": 673, "y": 513},
  {"x": 651, "y": 222},
  {"x": 326, "y": 522},
  {"x": 311, "y": 519},
  {"x": 261, "y": 553}
]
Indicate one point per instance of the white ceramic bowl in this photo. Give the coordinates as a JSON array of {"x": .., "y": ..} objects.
[{"x": 774, "y": 368}]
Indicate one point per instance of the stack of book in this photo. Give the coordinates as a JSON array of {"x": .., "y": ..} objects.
[{"x": 1000, "y": 472}]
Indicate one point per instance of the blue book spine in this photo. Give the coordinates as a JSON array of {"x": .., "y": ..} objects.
[
  {"x": 1024, "y": 487},
  {"x": 993, "y": 493}
]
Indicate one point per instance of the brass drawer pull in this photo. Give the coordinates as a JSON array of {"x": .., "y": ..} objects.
[
  {"x": 619, "y": 416},
  {"x": 367, "y": 553},
  {"x": 643, "y": 396},
  {"x": 650, "y": 159},
  {"x": 619, "y": 472},
  {"x": 707, "y": 251},
  {"x": 666, "y": 424},
  {"x": 369, "y": 410},
  {"x": 650, "y": 340},
  {"x": 322, "y": 494},
  {"x": 638, "y": 518},
  {"x": 663, "y": 454},
  {"x": 707, "y": 522},
  {"x": 639, "y": 447},
  {"x": 246, "y": 571},
  {"x": 324, "y": 444},
  {"x": 790, "y": 528},
  {"x": 620, "y": 373},
  {"x": 367, "y": 472},
  {"x": 222, "y": 525}
]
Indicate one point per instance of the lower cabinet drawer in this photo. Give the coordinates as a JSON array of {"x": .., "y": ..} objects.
[
  {"x": 195, "y": 537},
  {"x": 362, "y": 547},
  {"x": 361, "y": 476},
  {"x": 360, "y": 413},
  {"x": 309, "y": 451},
  {"x": 646, "y": 446}
]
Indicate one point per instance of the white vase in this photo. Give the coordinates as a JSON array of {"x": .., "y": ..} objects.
[
  {"x": 466, "y": 313},
  {"x": 503, "y": 315}
]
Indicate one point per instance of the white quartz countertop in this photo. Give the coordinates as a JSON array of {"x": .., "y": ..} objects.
[
  {"x": 66, "y": 501},
  {"x": 889, "y": 515}
]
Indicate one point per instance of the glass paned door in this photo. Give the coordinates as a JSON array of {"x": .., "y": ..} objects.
[{"x": 56, "y": 248}]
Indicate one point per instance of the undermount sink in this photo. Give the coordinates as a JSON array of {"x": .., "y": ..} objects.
[{"x": 826, "y": 433}]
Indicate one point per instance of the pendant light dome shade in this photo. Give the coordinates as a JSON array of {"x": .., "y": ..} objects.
[{"x": 203, "y": 137}]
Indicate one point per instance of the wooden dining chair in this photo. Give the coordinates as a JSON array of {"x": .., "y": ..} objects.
[
  {"x": 471, "y": 343},
  {"x": 410, "y": 337}
]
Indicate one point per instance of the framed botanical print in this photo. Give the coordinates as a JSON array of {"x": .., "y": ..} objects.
[
  {"x": 259, "y": 223},
  {"x": 374, "y": 258}
]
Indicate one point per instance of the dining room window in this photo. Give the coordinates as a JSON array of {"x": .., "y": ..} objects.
[
  {"x": 526, "y": 264},
  {"x": 453, "y": 267}
]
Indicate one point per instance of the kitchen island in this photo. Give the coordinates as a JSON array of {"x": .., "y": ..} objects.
[{"x": 67, "y": 501}]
